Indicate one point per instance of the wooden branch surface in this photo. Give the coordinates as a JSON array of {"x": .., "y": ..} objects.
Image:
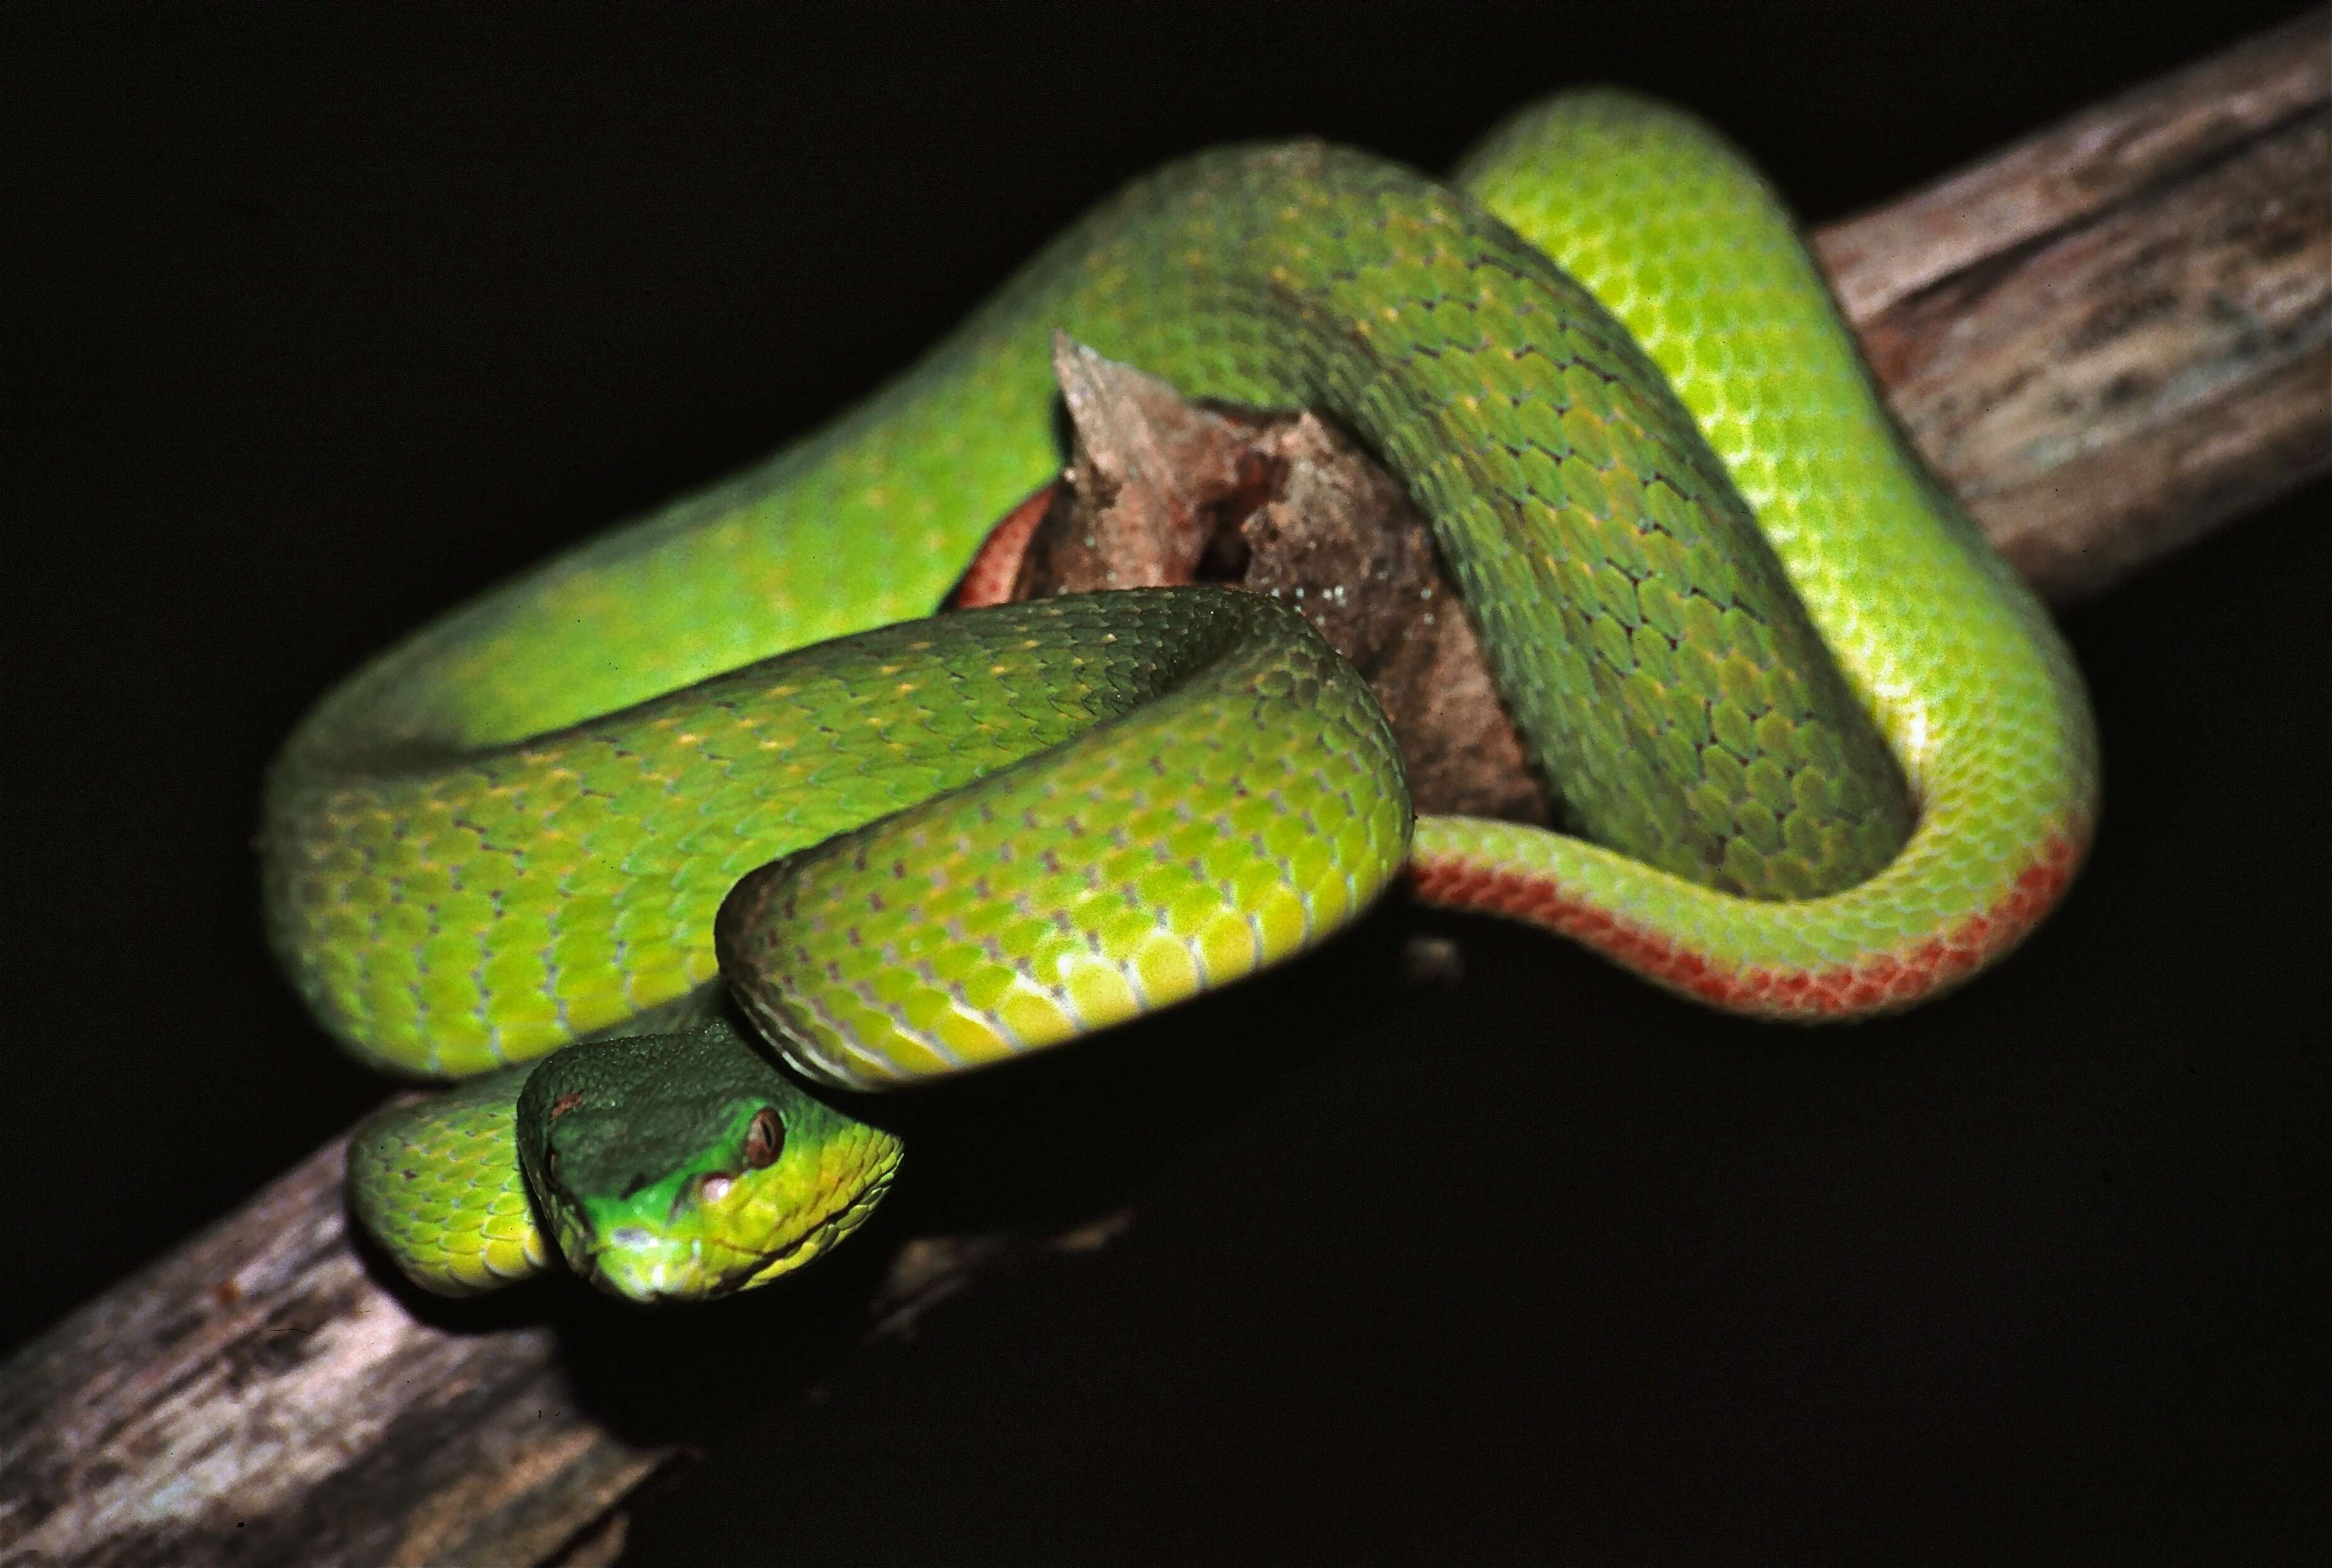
[
  {"x": 2110, "y": 337},
  {"x": 2118, "y": 334}
]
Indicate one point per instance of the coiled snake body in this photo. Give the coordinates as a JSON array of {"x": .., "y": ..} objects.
[{"x": 1824, "y": 753}]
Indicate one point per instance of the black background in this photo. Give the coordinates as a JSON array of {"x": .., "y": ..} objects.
[{"x": 311, "y": 325}]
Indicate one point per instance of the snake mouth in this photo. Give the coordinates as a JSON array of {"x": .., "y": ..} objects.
[
  {"x": 649, "y": 1267},
  {"x": 699, "y": 1268},
  {"x": 639, "y": 1265},
  {"x": 827, "y": 1233},
  {"x": 834, "y": 1229},
  {"x": 643, "y": 1266}
]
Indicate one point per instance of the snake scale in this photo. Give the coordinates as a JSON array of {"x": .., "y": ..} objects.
[{"x": 1820, "y": 751}]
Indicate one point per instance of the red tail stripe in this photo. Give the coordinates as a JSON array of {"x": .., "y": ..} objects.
[{"x": 1881, "y": 982}]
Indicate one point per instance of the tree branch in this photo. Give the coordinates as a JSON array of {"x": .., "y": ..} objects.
[{"x": 2111, "y": 338}]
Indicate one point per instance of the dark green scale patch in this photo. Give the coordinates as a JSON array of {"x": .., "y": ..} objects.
[{"x": 620, "y": 1115}]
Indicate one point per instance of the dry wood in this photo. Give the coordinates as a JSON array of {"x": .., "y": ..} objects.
[
  {"x": 2118, "y": 334},
  {"x": 2110, "y": 337},
  {"x": 1160, "y": 491}
]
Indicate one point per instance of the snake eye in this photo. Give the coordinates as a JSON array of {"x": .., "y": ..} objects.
[{"x": 763, "y": 1139}]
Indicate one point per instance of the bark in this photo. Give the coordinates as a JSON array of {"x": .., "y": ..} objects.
[
  {"x": 2110, "y": 337},
  {"x": 2117, "y": 335}
]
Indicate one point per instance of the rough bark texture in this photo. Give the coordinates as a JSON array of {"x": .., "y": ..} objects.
[
  {"x": 2110, "y": 339},
  {"x": 2117, "y": 335}
]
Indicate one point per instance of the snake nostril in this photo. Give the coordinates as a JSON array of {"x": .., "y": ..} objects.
[{"x": 631, "y": 1235}]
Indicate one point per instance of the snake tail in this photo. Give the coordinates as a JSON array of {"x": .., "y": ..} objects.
[{"x": 1941, "y": 641}]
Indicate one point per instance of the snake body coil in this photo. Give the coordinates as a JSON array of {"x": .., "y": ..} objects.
[{"x": 1823, "y": 752}]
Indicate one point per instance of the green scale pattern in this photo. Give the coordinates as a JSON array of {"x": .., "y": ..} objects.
[
  {"x": 458, "y": 883},
  {"x": 1798, "y": 716},
  {"x": 1177, "y": 844},
  {"x": 438, "y": 1180},
  {"x": 1936, "y": 636},
  {"x": 488, "y": 907}
]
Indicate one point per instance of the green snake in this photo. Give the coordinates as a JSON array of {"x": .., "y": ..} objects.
[{"x": 1818, "y": 752}]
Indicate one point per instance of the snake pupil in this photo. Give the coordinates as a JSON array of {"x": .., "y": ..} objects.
[{"x": 764, "y": 1138}]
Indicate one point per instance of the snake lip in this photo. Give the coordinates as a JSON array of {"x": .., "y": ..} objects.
[{"x": 648, "y": 1286}]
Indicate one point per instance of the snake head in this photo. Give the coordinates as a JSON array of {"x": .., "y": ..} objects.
[{"x": 686, "y": 1166}]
